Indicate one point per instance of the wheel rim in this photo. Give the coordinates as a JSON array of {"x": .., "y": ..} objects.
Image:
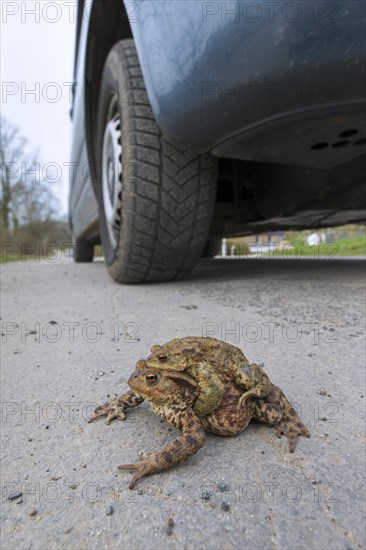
[{"x": 112, "y": 177}]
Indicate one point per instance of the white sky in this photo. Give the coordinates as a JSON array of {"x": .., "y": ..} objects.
[{"x": 37, "y": 50}]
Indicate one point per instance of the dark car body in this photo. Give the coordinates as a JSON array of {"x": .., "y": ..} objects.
[{"x": 275, "y": 90}]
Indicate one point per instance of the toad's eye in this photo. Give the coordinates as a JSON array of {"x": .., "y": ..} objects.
[
  {"x": 162, "y": 357},
  {"x": 151, "y": 378}
]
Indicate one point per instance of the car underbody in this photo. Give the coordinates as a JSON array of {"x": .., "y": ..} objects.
[{"x": 256, "y": 197}]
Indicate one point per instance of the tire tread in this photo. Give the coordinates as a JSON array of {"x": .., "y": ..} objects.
[{"x": 170, "y": 197}]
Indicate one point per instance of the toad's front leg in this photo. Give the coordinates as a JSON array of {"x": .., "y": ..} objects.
[
  {"x": 182, "y": 448},
  {"x": 116, "y": 407},
  {"x": 255, "y": 380}
]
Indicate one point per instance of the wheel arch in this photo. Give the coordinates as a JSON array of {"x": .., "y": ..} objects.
[{"x": 108, "y": 24}]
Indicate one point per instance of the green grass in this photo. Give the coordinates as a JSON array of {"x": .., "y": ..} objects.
[
  {"x": 14, "y": 258},
  {"x": 351, "y": 246}
]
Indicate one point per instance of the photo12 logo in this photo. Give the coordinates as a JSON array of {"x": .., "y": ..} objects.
[
  {"x": 271, "y": 331},
  {"x": 270, "y": 492},
  {"x": 46, "y": 413},
  {"x": 53, "y": 332},
  {"x": 269, "y": 93},
  {"x": 54, "y": 92},
  {"x": 244, "y": 12},
  {"x": 58, "y": 490},
  {"x": 29, "y": 11}
]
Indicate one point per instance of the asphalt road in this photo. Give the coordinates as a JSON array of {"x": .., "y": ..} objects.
[{"x": 71, "y": 336}]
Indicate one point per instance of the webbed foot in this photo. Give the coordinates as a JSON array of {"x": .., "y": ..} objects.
[
  {"x": 113, "y": 409},
  {"x": 292, "y": 430},
  {"x": 144, "y": 468}
]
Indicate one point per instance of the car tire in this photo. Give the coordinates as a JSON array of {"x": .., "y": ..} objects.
[
  {"x": 155, "y": 199},
  {"x": 212, "y": 249},
  {"x": 83, "y": 251}
]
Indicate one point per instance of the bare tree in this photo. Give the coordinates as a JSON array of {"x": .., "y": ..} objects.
[
  {"x": 27, "y": 201},
  {"x": 11, "y": 154}
]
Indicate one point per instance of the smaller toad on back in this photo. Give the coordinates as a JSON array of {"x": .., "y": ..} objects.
[
  {"x": 199, "y": 384},
  {"x": 210, "y": 362}
]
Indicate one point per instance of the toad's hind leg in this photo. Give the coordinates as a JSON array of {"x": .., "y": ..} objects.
[
  {"x": 254, "y": 379},
  {"x": 277, "y": 411},
  {"x": 182, "y": 448}
]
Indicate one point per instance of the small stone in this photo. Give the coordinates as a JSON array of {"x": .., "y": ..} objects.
[
  {"x": 73, "y": 486},
  {"x": 33, "y": 512},
  {"x": 140, "y": 492},
  {"x": 223, "y": 487},
  {"x": 261, "y": 364},
  {"x": 47, "y": 427},
  {"x": 205, "y": 495},
  {"x": 53, "y": 322},
  {"x": 83, "y": 465},
  {"x": 101, "y": 373},
  {"x": 55, "y": 478},
  {"x": 67, "y": 531},
  {"x": 322, "y": 391},
  {"x": 109, "y": 510},
  {"x": 15, "y": 495},
  {"x": 324, "y": 419},
  {"x": 30, "y": 439},
  {"x": 225, "y": 506}
]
